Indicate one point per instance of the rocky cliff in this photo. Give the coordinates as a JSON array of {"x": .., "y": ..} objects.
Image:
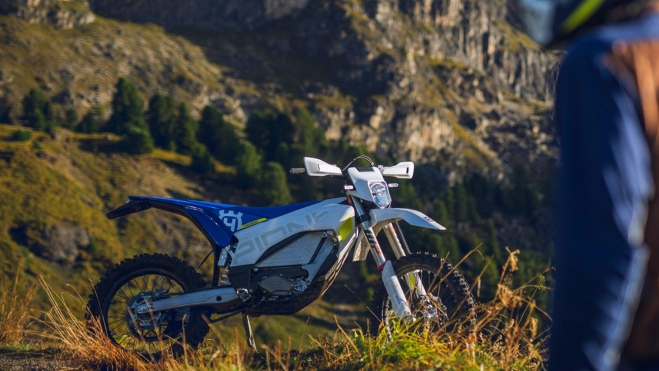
[{"x": 447, "y": 81}]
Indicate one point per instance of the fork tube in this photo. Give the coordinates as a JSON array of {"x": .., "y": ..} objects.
[
  {"x": 376, "y": 251},
  {"x": 390, "y": 232},
  {"x": 413, "y": 280}
]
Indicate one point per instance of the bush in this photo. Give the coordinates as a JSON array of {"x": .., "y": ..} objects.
[
  {"x": 136, "y": 141},
  {"x": 21, "y": 135},
  {"x": 202, "y": 161}
]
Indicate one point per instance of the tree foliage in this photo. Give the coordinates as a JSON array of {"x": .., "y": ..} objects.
[
  {"x": 161, "y": 119},
  {"x": 218, "y": 136},
  {"x": 274, "y": 188},
  {"x": 90, "y": 123},
  {"x": 273, "y": 133},
  {"x": 38, "y": 110},
  {"x": 202, "y": 162},
  {"x": 248, "y": 165},
  {"x": 185, "y": 130},
  {"x": 137, "y": 141},
  {"x": 127, "y": 108}
]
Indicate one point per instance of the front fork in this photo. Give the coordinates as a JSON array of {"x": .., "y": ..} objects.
[{"x": 397, "y": 297}]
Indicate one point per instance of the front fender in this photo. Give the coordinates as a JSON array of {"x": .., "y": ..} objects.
[{"x": 413, "y": 217}]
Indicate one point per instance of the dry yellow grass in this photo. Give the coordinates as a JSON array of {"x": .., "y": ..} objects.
[
  {"x": 14, "y": 309},
  {"x": 505, "y": 337}
]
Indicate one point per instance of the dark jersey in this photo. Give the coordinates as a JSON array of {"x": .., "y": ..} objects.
[{"x": 605, "y": 188}]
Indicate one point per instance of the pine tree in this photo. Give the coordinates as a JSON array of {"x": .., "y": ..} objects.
[
  {"x": 202, "y": 161},
  {"x": 71, "y": 118},
  {"x": 90, "y": 123},
  {"x": 440, "y": 214},
  {"x": 274, "y": 188},
  {"x": 161, "y": 118},
  {"x": 38, "y": 110},
  {"x": 309, "y": 138},
  {"x": 248, "y": 165},
  {"x": 268, "y": 131},
  {"x": 127, "y": 108},
  {"x": 219, "y": 136},
  {"x": 185, "y": 131}
]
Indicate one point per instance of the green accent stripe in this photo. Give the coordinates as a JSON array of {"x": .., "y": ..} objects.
[
  {"x": 255, "y": 222},
  {"x": 581, "y": 15}
]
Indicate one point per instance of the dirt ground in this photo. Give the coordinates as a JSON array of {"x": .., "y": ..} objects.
[{"x": 33, "y": 361}]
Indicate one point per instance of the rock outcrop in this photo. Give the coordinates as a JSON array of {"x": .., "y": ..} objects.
[{"x": 440, "y": 81}]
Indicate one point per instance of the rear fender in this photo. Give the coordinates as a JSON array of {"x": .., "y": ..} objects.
[{"x": 210, "y": 225}]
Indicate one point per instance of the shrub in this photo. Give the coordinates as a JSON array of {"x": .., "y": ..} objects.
[{"x": 21, "y": 135}]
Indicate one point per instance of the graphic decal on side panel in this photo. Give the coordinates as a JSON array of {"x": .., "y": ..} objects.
[
  {"x": 260, "y": 243},
  {"x": 231, "y": 219},
  {"x": 255, "y": 222}
]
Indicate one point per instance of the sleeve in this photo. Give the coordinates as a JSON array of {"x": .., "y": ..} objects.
[{"x": 605, "y": 180}]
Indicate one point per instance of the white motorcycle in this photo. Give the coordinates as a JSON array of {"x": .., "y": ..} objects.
[{"x": 276, "y": 261}]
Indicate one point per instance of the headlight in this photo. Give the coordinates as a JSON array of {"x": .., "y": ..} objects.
[{"x": 380, "y": 194}]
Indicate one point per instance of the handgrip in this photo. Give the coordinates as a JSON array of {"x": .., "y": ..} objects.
[{"x": 298, "y": 170}]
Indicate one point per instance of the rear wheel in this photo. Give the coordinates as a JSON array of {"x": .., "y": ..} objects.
[
  {"x": 112, "y": 307},
  {"x": 447, "y": 302}
]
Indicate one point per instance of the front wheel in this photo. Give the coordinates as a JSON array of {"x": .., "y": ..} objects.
[
  {"x": 447, "y": 298},
  {"x": 138, "y": 281}
]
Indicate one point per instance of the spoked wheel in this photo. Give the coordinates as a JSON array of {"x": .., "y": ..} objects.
[
  {"x": 131, "y": 286},
  {"x": 447, "y": 300}
]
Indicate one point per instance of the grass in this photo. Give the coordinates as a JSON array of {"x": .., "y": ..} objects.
[
  {"x": 506, "y": 336},
  {"x": 15, "y": 309}
]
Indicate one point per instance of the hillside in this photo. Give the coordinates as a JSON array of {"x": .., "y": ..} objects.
[{"x": 449, "y": 84}]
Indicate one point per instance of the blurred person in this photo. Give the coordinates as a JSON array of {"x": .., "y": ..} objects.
[{"x": 606, "y": 300}]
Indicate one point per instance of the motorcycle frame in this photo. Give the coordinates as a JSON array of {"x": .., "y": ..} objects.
[{"x": 221, "y": 239}]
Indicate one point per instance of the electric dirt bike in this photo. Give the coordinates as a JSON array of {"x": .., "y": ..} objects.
[{"x": 276, "y": 261}]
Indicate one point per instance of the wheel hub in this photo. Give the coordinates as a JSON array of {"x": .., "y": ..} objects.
[{"x": 138, "y": 314}]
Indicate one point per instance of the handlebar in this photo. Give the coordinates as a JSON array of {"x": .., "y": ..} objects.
[{"x": 298, "y": 170}]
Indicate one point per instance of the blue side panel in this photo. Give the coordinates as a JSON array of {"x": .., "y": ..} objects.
[
  {"x": 215, "y": 229},
  {"x": 220, "y": 221}
]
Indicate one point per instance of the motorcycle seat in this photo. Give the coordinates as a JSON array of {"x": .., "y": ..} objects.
[{"x": 264, "y": 212}]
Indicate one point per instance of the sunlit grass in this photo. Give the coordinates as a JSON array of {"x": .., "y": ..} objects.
[{"x": 505, "y": 336}]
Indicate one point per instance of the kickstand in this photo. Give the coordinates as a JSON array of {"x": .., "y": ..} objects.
[{"x": 248, "y": 332}]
